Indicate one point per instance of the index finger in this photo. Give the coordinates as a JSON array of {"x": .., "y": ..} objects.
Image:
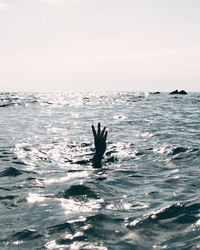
[{"x": 94, "y": 131}]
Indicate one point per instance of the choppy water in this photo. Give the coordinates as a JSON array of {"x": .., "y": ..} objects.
[{"x": 146, "y": 196}]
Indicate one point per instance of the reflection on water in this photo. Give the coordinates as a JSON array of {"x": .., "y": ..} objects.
[
  {"x": 32, "y": 198},
  {"x": 145, "y": 196}
]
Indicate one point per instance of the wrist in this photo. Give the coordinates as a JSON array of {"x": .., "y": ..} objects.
[
  {"x": 99, "y": 153},
  {"x": 97, "y": 160}
]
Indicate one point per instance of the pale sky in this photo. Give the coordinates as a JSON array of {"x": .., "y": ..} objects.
[{"x": 136, "y": 45}]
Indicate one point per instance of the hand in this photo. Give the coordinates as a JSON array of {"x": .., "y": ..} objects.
[
  {"x": 100, "y": 144},
  {"x": 100, "y": 139}
]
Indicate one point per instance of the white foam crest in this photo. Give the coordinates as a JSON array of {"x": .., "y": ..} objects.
[
  {"x": 162, "y": 150},
  {"x": 53, "y": 245},
  {"x": 198, "y": 223},
  {"x": 82, "y": 245},
  {"x": 146, "y": 135},
  {"x": 71, "y": 206},
  {"x": 127, "y": 206}
]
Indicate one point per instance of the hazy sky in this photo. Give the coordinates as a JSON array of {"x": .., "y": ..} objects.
[{"x": 150, "y": 45}]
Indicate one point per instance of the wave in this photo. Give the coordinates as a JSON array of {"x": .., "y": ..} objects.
[
  {"x": 26, "y": 234},
  {"x": 11, "y": 172},
  {"x": 83, "y": 228},
  {"x": 172, "y": 226},
  {"x": 168, "y": 217},
  {"x": 178, "y": 150},
  {"x": 8, "y": 197},
  {"x": 78, "y": 191},
  {"x": 183, "y": 153}
]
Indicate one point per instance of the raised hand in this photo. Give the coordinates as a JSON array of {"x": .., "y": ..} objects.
[{"x": 100, "y": 144}]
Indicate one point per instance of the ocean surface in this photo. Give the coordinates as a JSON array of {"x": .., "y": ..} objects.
[{"x": 146, "y": 195}]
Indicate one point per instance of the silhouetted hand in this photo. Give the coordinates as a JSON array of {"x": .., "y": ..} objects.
[{"x": 100, "y": 144}]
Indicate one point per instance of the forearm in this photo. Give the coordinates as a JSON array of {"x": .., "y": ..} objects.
[{"x": 97, "y": 160}]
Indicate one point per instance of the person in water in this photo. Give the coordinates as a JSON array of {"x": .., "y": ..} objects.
[{"x": 100, "y": 137}]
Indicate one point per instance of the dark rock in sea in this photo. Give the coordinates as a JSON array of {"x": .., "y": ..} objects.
[
  {"x": 156, "y": 93},
  {"x": 176, "y": 92},
  {"x": 182, "y": 92}
]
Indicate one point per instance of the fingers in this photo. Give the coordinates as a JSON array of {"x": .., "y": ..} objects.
[
  {"x": 105, "y": 136},
  {"x": 99, "y": 133},
  {"x": 94, "y": 131},
  {"x": 102, "y": 132},
  {"x": 99, "y": 128}
]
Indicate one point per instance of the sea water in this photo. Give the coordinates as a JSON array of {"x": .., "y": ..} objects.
[{"x": 146, "y": 195}]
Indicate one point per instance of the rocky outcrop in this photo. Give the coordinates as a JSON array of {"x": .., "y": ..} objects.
[
  {"x": 182, "y": 92},
  {"x": 176, "y": 92}
]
